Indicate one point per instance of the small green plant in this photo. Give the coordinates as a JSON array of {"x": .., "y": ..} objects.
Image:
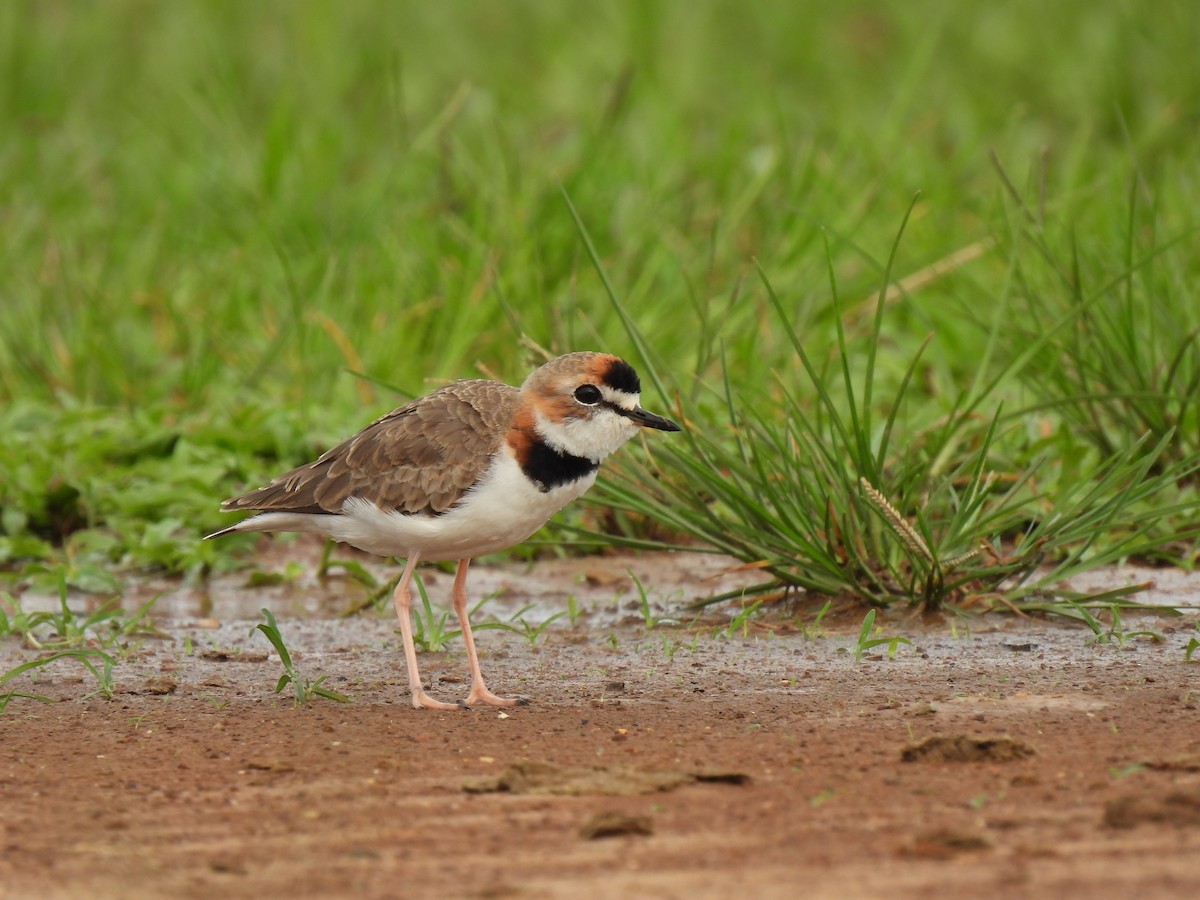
[
  {"x": 63, "y": 628},
  {"x": 429, "y": 632},
  {"x": 865, "y": 642},
  {"x": 741, "y": 622},
  {"x": 16, "y": 622},
  {"x": 121, "y": 629},
  {"x": 813, "y": 629},
  {"x": 534, "y": 633},
  {"x": 821, "y": 797},
  {"x": 572, "y": 610},
  {"x": 1192, "y": 646},
  {"x": 1120, "y": 635},
  {"x": 1115, "y": 633},
  {"x": 643, "y": 602},
  {"x": 103, "y": 675},
  {"x": 671, "y": 647},
  {"x": 1116, "y": 773},
  {"x": 644, "y": 606},
  {"x": 305, "y": 689},
  {"x": 1092, "y": 622}
]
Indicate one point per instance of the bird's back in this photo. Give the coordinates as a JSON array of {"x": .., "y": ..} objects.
[{"x": 419, "y": 458}]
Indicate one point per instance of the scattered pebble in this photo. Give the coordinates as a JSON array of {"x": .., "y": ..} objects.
[
  {"x": 545, "y": 778},
  {"x": 1179, "y": 807},
  {"x": 613, "y": 824},
  {"x": 963, "y": 748}
]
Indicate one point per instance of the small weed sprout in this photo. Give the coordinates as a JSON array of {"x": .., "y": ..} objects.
[
  {"x": 643, "y": 602},
  {"x": 305, "y": 688},
  {"x": 1115, "y": 633},
  {"x": 865, "y": 642},
  {"x": 741, "y": 622},
  {"x": 534, "y": 633},
  {"x": 69, "y": 630},
  {"x": 531, "y": 633},
  {"x": 429, "y": 633},
  {"x": 103, "y": 674},
  {"x": 1192, "y": 646},
  {"x": 644, "y": 606},
  {"x": 669, "y": 646},
  {"x": 814, "y": 630},
  {"x": 821, "y": 798}
]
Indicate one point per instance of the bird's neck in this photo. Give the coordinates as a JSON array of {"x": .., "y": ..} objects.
[{"x": 545, "y": 461}]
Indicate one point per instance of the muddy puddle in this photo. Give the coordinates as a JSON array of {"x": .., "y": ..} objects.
[{"x": 602, "y": 590}]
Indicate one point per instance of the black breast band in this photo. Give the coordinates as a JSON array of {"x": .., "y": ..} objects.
[{"x": 549, "y": 469}]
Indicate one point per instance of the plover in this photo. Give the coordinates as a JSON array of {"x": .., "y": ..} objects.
[{"x": 473, "y": 468}]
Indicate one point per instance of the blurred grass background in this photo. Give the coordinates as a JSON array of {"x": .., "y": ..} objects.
[{"x": 213, "y": 214}]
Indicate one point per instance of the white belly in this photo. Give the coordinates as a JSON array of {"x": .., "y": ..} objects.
[{"x": 502, "y": 510}]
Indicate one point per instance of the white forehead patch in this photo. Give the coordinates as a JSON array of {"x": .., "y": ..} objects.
[{"x": 619, "y": 398}]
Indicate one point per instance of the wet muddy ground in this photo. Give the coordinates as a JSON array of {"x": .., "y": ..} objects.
[{"x": 675, "y": 756}]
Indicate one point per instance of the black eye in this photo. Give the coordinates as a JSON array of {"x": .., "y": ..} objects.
[{"x": 588, "y": 393}]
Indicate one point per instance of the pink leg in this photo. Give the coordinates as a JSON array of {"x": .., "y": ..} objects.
[
  {"x": 402, "y": 597},
  {"x": 479, "y": 692}
]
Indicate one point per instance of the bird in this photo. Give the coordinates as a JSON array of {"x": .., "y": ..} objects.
[{"x": 474, "y": 467}]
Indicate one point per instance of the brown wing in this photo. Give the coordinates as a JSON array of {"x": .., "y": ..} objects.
[{"x": 418, "y": 458}]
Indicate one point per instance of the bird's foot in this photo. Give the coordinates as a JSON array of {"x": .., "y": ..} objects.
[
  {"x": 421, "y": 700},
  {"x": 480, "y": 694}
]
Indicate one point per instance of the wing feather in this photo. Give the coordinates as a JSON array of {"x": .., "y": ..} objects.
[{"x": 419, "y": 458}]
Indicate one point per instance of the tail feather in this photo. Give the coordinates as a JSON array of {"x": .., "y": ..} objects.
[
  {"x": 278, "y": 521},
  {"x": 221, "y": 533}
]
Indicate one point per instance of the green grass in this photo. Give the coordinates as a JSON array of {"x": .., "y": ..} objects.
[{"x": 234, "y": 233}]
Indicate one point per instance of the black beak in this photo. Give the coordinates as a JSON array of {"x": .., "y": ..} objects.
[{"x": 648, "y": 419}]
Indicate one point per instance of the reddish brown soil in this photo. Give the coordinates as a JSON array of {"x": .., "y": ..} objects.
[{"x": 764, "y": 764}]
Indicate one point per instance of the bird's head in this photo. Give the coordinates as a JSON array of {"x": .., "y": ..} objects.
[{"x": 587, "y": 404}]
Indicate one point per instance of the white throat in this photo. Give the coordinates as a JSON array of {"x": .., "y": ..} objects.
[{"x": 592, "y": 439}]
